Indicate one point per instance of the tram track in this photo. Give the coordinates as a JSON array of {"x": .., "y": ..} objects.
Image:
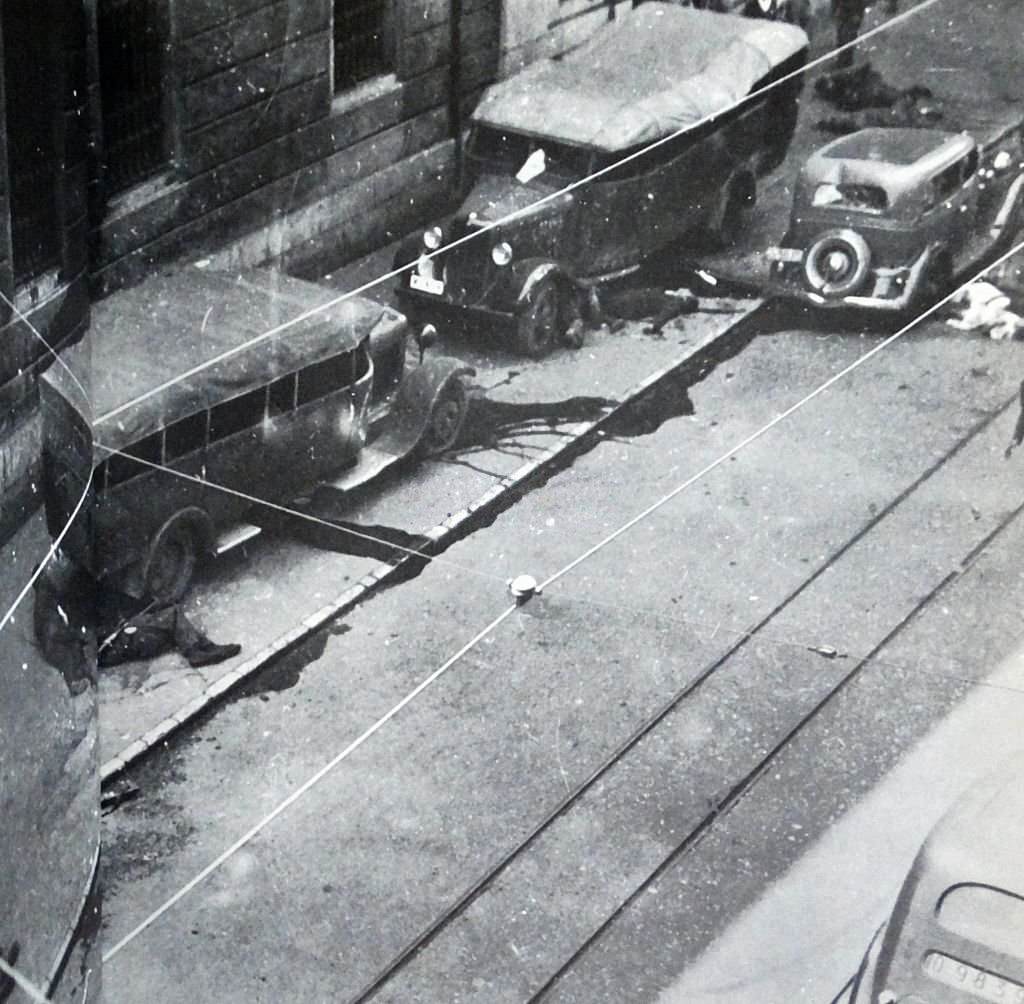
[{"x": 458, "y": 908}]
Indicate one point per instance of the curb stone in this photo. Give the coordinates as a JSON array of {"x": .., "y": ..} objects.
[{"x": 439, "y": 538}]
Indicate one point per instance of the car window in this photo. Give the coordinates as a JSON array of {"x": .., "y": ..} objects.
[
  {"x": 860, "y": 198},
  {"x": 122, "y": 466},
  {"x": 185, "y": 436},
  {"x": 322, "y": 378},
  {"x": 510, "y": 150},
  {"x": 237, "y": 414},
  {"x": 947, "y": 182},
  {"x": 970, "y": 163}
]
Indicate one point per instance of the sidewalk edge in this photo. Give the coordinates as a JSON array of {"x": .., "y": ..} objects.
[{"x": 440, "y": 537}]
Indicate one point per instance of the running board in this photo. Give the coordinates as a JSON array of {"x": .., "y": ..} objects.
[
  {"x": 235, "y": 537},
  {"x": 372, "y": 462}
]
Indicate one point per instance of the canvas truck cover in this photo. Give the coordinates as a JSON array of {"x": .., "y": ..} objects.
[
  {"x": 187, "y": 340},
  {"x": 654, "y": 71}
]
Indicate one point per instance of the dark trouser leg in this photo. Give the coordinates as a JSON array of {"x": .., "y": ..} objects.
[
  {"x": 187, "y": 637},
  {"x": 849, "y": 18}
]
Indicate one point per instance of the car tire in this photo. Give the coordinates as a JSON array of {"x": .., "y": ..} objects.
[
  {"x": 848, "y": 242},
  {"x": 171, "y": 562},
  {"x": 540, "y": 326},
  {"x": 447, "y": 416}
]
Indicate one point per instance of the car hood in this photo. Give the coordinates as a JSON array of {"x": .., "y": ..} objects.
[{"x": 496, "y": 197}]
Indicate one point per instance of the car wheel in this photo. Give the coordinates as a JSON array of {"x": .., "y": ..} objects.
[
  {"x": 837, "y": 263},
  {"x": 171, "y": 562},
  {"x": 446, "y": 419},
  {"x": 540, "y": 326}
]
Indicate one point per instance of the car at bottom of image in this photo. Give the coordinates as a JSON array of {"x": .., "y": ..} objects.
[
  {"x": 885, "y": 218},
  {"x": 213, "y": 391},
  {"x": 579, "y": 168},
  {"x": 956, "y": 933}
]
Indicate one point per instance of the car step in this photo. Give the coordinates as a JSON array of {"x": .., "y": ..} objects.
[
  {"x": 371, "y": 463},
  {"x": 235, "y": 537}
]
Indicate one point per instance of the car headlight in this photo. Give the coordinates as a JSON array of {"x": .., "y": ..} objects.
[
  {"x": 501, "y": 254},
  {"x": 432, "y": 238}
]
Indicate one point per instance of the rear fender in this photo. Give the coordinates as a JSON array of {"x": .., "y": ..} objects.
[
  {"x": 419, "y": 391},
  {"x": 742, "y": 180}
]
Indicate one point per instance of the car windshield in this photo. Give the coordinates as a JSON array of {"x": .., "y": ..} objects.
[{"x": 510, "y": 151}]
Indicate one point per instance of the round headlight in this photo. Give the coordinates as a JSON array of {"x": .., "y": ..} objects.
[
  {"x": 501, "y": 254},
  {"x": 432, "y": 238}
]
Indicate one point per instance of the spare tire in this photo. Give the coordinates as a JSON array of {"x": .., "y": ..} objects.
[{"x": 837, "y": 263}]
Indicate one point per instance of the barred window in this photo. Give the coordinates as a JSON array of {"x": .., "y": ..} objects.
[
  {"x": 131, "y": 42},
  {"x": 33, "y": 103},
  {"x": 362, "y": 41}
]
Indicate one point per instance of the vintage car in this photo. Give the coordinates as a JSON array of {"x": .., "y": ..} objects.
[
  {"x": 246, "y": 388},
  {"x": 956, "y": 933},
  {"x": 885, "y": 218},
  {"x": 667, "y": 105}
]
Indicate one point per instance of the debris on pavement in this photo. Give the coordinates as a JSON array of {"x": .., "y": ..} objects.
[
  {"x": 523, "y": 588},
  {"x": 827, "y": 651},
  {"x": 122, "y": 791}
]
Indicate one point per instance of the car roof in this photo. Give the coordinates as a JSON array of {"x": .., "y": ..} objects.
[
  {"x": 228, "y": 333},
  {"x": 893, "y": 159},
  {"x": 651, "y": 72}
]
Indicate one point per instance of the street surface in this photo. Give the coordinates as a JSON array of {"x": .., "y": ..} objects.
[
  {"x": 695, "y": 768},
  {"x": 366, "y": 859}
]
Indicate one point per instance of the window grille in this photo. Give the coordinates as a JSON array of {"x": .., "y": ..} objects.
[
  {"x": 362, "y": 44},
  {"x": 131, "y": 36},
  {"x": 31, "y": 73}
]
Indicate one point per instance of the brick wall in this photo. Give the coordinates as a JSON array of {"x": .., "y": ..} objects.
[{"x": 268, "y": 161}]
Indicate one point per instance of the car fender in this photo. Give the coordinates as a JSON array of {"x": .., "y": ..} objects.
[
  {"x": 415, "y": 399},
  {"x": 530, "y": 274},
  {"x": 742, "y": 176}
]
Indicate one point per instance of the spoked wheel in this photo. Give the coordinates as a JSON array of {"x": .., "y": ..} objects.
[
  {"x": 446, "y": 419},
  {"x": 172, "y": 562},
  {"x": 543, "y": 322}
]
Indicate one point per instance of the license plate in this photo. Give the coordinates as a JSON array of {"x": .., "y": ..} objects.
[
  {"x": 425, "y": 284},
  {"x": 784, "y": 254},
  {"x": 971, "y": 980}
]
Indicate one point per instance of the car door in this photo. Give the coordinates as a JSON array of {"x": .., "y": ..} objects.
[{"x": 951, "y": 207}]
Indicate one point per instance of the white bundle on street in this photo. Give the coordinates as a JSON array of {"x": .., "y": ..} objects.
[{"x": 985, "y": 306}]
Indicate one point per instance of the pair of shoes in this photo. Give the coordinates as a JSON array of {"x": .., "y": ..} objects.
[{"x": 206, "y": 653}]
